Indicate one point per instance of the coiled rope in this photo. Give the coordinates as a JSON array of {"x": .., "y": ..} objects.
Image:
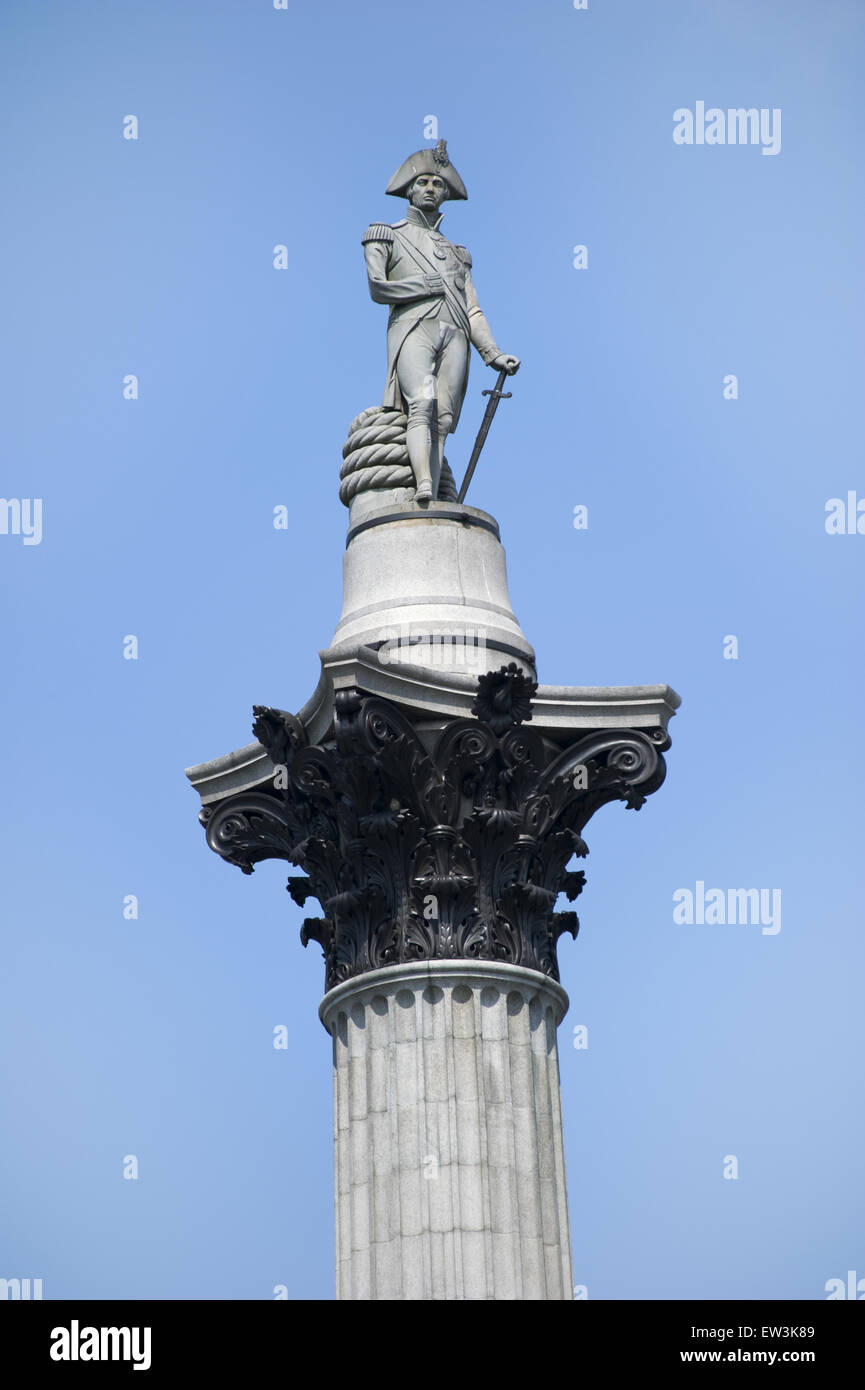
[{"x": 375, "y": 456}]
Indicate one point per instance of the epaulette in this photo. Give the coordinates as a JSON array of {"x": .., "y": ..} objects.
[
  {"x": 377, "y": 231},
  {"x": 465, "y": 255}
]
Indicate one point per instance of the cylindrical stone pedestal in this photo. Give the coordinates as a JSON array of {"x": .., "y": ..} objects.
[
  {"x": 427, "y": 585},
  {"x": 449, "y": 1160}
]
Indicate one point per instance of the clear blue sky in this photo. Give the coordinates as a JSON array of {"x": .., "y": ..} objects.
[{"x": 706, "y": 519}]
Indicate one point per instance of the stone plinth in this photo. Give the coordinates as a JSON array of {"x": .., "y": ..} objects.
[
  {"x": 426, "y": 585},
  {"x": 449, "y": 1161}
]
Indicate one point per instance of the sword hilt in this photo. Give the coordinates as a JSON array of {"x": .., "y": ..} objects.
[{"x": 502, "y": 395}]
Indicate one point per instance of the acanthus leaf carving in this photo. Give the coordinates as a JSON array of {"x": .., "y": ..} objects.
[{"x": 457, "y": 853}]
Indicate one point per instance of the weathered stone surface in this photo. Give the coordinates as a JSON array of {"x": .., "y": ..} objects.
[
  {"x": 456, "y": 1189},
  {"x": 426, "y": 586}
]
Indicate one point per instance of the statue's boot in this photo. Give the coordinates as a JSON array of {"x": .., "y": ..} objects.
[
  {"x": 417, "y": 443},
  {"x": 437, "y": 450}
]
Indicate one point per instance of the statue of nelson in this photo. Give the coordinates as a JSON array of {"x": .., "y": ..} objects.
[{"x": 434, "y": 312}]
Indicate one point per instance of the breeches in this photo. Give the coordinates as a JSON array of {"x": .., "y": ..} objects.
[{"x": 431, "y": 371}]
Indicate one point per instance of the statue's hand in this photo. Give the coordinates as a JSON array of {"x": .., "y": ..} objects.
[
  {"x": 435, "y": 284},
  {"x": 505, "y": 363}
]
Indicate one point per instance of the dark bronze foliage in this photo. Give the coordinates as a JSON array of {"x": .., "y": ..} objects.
[{"x": 457, "y": 853}]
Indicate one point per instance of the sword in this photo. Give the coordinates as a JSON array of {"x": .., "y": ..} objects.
[{"x": 496, "y": 395}]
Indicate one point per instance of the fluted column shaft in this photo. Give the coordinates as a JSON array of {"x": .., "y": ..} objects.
[{"x": 449, "y": 1160}]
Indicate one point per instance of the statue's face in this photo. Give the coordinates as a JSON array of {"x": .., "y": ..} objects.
[{"x": 428, "y": 192}]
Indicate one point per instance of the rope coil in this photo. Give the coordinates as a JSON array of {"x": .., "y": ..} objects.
[{"x": 375, "y": 456}]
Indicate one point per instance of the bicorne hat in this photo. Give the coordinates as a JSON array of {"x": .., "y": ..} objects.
[{"x": 427, "y": 161}]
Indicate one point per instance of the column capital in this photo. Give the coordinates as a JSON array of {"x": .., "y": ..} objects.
[{"x": 421, "y": 844}]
